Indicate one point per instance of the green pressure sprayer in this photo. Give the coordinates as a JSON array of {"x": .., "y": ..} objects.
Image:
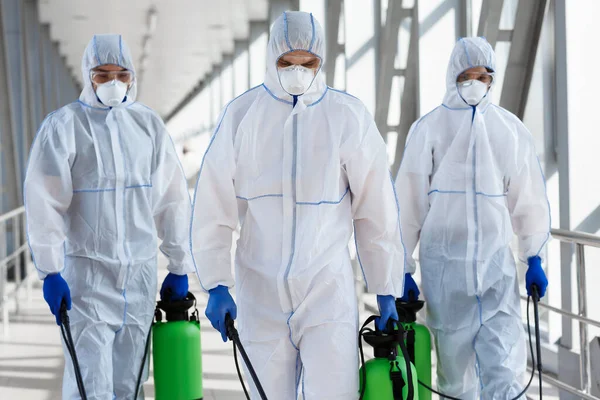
[
  {"x": 418, "y": 342},
  {"x": 390, "y": 375},
  {"x": 176, "y": 351}
]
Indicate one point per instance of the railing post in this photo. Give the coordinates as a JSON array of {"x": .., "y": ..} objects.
[
  {"x": 584, "y": 360},
  {"x": 18, "y": 276}
]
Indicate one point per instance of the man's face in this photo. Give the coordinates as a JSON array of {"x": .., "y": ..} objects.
[
  {"x": 477, "y": 73},
  {"x": 299, "y": 57},
  {"x": 110, "y": 72}
]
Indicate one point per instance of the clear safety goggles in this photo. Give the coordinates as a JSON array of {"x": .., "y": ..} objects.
[
  {"x": 100, "y": 77},
  {"x": 313, "y": 63},
  {"x": 485, "y": 77}
]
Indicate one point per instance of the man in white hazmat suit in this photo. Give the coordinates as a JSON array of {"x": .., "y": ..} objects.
[
  {"x": 103, "y": 183},
  {"x": 296, "y": 162},
  {"x": 468, "y": 180}
]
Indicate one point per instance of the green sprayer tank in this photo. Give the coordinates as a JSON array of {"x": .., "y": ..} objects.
[
  {"x": 176, "y": 351},
  {"x": 418, "y": 342},
  {"x": 386, "y": 377}
]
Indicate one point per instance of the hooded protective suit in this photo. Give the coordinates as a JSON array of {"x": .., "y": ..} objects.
[
  {"x": 101, "y": 186},
  {"x": 295, "y": 178},
  {"x": 468, "y": 181}
]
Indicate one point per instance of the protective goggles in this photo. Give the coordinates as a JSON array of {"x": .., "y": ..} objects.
[
  {"x": 485, "y": 77},
  {"x": 100, "y": 77}
]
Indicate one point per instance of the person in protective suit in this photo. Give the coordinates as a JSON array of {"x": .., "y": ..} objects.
[
  {"x": 103, "y": 184},
  {"x": 469, "y": 180},
  {"x": 300, "y": 166}
]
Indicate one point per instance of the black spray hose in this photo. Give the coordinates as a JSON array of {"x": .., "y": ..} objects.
[
  {"x": 538, "y": 345},
  {"x": 536, "y": 299},
  {"x": 65, "y": 329},
  {"x": 234, "y": 336}
]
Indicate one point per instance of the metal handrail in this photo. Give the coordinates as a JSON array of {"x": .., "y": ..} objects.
[
  {"x": 574, "y": 237},
  {"x": 17, "y": 218},
  {"x": 11, "y": 214},
  {"x": 567, "y": 313}
]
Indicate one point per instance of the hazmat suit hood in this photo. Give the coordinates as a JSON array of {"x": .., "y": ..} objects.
[
  {"x": 102, "y": 50},
  {"x": 468, "y": 53},
  {"x": 295, "y": 30}
]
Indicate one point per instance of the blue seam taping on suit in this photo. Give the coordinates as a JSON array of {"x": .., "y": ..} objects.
[
  {"x": 290, "y": 330},
  {"x": 285, "y": 30},
  {"x": 464, "y": 192},
  {"x": 321, "y": 98},
  {"x": 477, "y": 365},
  {"x": 342, "y": 92},
  {"x": 258, "y": 197},
  {"x": 414, "y": 131},
  {"x": 358, "y": 258},
  {"x": 290, "y": 103},
  {"x": 95, "y": 108},
  {"x": 399, "y": 228},
  {"x": 111, "y": 189},
  {"x": 545, "y": 190},
  {"x": 275, "y": 97},
  {"x": 120, "y": 50},
  {"x": 307, "y": 203},
  {"x": 312, "y": 40},
  {"x": 455, "y": 108},
  {"x": 212, "y": 139},
  {"x": 125, "y": 244},
  {"x": 466, "y": 52},
  {"x": 96, "y": 51}
]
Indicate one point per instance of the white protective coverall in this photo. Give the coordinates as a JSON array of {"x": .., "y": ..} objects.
[
  {"x": 102, "y": 184},
  {"x": 296, "y": 178},
  {"x": 468, "y": 181}
]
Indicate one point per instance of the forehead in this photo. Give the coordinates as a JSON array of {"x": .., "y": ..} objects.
[
  {"x": 299, "y": 57},
  {"x": 109, "y": 67},
  {"x": 475, "y": 70}
]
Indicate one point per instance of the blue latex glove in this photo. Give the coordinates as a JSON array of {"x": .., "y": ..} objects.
[
  {"x": 387, "y": 311},
  {"x": 220, "y": 303},
  {"x": 410, "y": 286},
  {"x": 56, "y": 290},
  {"x": 535, "y": 276},
  {"x": 174, "y": 287}
]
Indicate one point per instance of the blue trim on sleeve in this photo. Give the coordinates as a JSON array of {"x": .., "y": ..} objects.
[{"x": 212, "y": 139}]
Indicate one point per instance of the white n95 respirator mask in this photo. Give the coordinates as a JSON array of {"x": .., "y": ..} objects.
[
  {"x": 473, "y": 91},
  {"x": 111, "y": 93},
  {"x": 296, "y": 79}
]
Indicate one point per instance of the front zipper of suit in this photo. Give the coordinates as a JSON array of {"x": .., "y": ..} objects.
[
  {"x": 476, "y": 212},
  {"x": 294, "y": 212}
]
